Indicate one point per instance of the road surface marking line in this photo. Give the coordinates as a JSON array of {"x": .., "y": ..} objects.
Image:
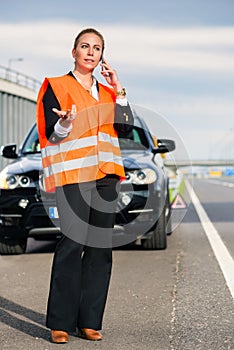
[
  {"x": 222, "y": 183},
  {"x": 222, "y": 255}
]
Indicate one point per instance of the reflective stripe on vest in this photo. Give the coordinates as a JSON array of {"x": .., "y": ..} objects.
[
  {"x": 82, "y": 163},
  {"x": 77, "y": 144},
  {"x": 56, "y": 158}
]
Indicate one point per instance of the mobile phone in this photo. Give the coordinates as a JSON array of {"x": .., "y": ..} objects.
[{"x": 103, "y": 69}]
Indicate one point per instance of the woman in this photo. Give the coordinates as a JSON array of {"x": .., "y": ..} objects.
[{"x": 78, "y": 121}]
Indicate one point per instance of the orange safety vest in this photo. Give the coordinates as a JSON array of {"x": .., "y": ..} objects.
[{"x": 91, "y": 150}]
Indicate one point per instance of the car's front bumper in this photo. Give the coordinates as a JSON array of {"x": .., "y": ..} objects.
[{"x": 23, "y": 216}]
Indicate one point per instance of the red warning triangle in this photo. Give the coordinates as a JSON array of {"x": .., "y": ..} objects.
[{"x": 178, "y": 203}]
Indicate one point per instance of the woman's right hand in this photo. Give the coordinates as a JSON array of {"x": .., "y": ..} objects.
[{"x": 66, "y": 117}]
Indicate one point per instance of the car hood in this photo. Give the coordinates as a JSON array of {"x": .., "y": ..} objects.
[
  {"x": 25, "y": 164},
  {"x": 137, "y": 159},
  {"x": 131, "y": 160}
]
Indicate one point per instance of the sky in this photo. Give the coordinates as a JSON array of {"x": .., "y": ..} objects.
[{"x": 175, "y": 58}]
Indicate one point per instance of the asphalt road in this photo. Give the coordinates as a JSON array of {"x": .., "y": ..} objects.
[{"x": 175, "y": 299}]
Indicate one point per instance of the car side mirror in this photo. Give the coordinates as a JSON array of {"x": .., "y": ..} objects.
[
  {"x": 164, "y": 146},
  {"x": 9, "y": 151}
]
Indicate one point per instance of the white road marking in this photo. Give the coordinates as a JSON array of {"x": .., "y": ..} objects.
[
  {"x": 223, "y": 183},
  {"x": 221, "y": 253}
]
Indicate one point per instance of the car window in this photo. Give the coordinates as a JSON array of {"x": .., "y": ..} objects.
[
  {"x": 32, "y": 143},
  {"x": 134, "y": 140}
]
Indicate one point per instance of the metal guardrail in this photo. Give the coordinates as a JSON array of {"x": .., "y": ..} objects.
[
  {"x": 184, "y": 163},
  {"x": 19, "y": 78}
]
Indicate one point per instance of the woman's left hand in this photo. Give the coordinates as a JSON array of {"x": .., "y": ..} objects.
[{"x": 111, "y": 76}]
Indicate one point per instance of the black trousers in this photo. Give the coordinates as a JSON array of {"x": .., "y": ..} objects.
[{"x": 81, "y": 273}]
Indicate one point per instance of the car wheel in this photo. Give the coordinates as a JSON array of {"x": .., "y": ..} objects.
[
  {"x": 10, "y": 246},
  {"x": 158, "y": 240}
]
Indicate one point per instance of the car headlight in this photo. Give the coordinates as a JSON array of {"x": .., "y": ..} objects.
[
  {"x": 10, "y": 181},
  {"x": 141, "y": 177}
]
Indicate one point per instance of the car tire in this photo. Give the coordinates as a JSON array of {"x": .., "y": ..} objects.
[
  {"x": 12, "y": 247},
  {"x": 158, "y": 240}
]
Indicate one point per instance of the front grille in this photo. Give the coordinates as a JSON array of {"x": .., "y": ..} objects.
[
  {"x": 30, "y": 191},
  {"x": 10, "y": 219}
]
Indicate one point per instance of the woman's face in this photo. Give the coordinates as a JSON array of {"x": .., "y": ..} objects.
[{"x": 88, "y": 51}]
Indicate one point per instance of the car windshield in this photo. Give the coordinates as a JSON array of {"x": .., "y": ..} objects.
[
  {"x": 134, "y": 140},
  {"x": 31, "y": 144}
]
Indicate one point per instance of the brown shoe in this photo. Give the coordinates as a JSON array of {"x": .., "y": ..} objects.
[
  {"x": 59, "y": 337},
  {"x": 89, "y": 334}
]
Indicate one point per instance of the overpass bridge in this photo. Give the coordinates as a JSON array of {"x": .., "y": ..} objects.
[
  {"x": 18, "y": 94},
  {"x": 192, "y": 163}
]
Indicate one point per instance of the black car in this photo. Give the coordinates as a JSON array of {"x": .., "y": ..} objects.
[{"x": 143, "y": 208}]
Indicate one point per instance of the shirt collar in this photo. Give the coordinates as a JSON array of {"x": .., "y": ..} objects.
[{"x": 79, "y": 80}]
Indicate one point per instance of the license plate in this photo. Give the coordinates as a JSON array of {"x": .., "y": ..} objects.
[{"x": 53, "y": 213}]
